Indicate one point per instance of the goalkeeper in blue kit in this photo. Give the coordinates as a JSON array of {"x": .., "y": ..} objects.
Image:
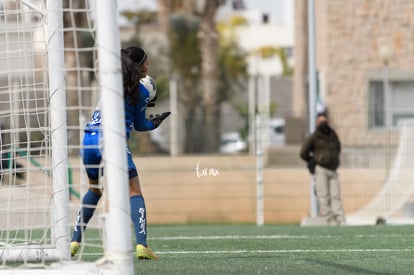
[{"x": 135, "y": 67}]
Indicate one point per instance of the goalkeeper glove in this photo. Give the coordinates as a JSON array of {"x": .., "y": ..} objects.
[
  {"x": 158, "y": 118},
  {"x": 152, "y": 102}
]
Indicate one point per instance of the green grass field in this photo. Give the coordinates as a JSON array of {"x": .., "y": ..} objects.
[{"x": 277, "y": 249}]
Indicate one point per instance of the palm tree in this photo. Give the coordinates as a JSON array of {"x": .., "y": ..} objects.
[
  {"x": 73, "y": 40},
  {"x": 209, "y": 48},
  {"x": 208, "y": 135}
]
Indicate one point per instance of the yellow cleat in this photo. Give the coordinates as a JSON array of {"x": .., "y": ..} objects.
[
  {"x": 74, "y": 248},
  {"x": 144, "y": 253}
]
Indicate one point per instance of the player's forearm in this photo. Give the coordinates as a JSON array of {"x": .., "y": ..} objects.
[{"x": 145, "y": 125}]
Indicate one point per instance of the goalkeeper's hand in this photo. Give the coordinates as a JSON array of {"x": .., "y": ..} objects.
[
  {"x": 158, "y": 118},
  {"x": 152, "y": 102}
]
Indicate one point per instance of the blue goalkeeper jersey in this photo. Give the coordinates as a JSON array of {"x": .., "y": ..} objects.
[{"x": 135, "y": 116}]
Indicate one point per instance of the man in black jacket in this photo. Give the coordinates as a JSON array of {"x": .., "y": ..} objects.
[{"x": 321, "y": 151}]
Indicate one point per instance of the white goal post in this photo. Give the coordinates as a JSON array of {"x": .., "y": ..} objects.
[{"x": 47, "y": 71}]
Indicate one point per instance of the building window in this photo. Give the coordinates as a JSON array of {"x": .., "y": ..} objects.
[{"x": 388, "y": 106}]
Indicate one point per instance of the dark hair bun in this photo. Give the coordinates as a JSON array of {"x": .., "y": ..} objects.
[{"x": 136, "y": 54}]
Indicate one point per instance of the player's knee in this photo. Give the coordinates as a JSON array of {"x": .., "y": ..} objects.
[
  {"x": 96, "y": 190},
  {"x": 134, "y": 187}
]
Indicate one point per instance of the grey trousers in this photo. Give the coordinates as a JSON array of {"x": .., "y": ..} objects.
[{"x": 328, "y": 192}]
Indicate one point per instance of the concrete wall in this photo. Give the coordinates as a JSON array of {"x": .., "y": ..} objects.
[{"x": 224, "y": 189}]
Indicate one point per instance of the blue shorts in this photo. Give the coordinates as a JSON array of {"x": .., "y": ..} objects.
[{"x": 92, "y": 156}]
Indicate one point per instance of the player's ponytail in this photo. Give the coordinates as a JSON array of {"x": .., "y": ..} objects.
[{"x": 131, "y": 59}]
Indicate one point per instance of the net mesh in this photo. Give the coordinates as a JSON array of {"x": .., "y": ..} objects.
[{"x": 26, "y": 185}]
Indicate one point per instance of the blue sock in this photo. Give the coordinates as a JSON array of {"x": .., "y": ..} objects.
[
  {"x": 89, "y": 202},
  {"x": 139, "y": 219}
]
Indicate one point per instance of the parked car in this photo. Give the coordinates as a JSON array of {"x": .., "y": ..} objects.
[
  {"x": 232, "y": 143},
  {"x": 277, "y": 132}
]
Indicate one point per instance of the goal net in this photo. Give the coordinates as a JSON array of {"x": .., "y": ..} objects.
[
  {"x": 57, "y": 58},
  {"x": 397, "y": 189}
]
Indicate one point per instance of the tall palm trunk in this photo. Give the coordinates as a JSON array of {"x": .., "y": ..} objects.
[
  {"x": 72, "y": 61},
  {"x": 209, "y": 79}
]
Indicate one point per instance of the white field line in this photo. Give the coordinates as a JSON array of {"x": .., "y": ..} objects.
[
  {"x": 276, "y": 251},
  {"x": 273, "y": 251},
  {"x": 258, "y": 237},
  {"x": 280, "y": 251}
]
